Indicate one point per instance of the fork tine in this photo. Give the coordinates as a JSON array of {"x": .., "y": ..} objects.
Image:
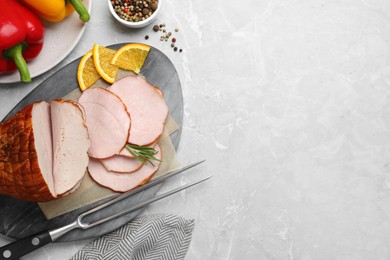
[
  {"x": 141, "y": 205},
  {"x": 154, "y": 182}
]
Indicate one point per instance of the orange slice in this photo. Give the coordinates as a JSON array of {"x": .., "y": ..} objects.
[
  {"x": 102, "y": 57},
  {"x": 87, "y": 74},
  {"x": 131, "y": 57}
]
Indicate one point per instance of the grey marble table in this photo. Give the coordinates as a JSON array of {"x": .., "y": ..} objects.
[{"x": 289, "y": 101}]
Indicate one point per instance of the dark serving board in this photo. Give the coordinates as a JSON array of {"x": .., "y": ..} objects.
[{"x": 19, "y": 219}]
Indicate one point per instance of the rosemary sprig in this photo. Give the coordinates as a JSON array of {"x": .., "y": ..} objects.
[{"x": 143, "y": 153}]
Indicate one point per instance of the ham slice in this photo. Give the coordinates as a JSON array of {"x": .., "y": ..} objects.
[
  {"x": 70, "y": 145},
  {"x": 121, "y": 164},
  {"x": 27, "y": 159},
  {"x": 107, "y": 120},
  {"x": 123, "y": 182},
  {"x": 147, "y": 108}
]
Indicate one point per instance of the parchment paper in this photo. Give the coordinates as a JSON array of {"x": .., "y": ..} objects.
[{"x": 89, "y": 191}]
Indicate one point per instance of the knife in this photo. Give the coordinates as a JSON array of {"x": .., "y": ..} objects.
[{"x": 26, "y": 245}]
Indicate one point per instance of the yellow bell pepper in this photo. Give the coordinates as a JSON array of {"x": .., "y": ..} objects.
[{"x": 57, "y": 10}]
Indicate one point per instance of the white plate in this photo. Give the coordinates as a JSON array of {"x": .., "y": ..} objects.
[{"x": 60, "y": 40}]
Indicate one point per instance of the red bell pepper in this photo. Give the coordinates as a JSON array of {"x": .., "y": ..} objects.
[{"x": 21, "y": 37}]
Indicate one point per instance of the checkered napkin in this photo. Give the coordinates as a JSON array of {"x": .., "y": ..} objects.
[{"x": 146, "y": 237}]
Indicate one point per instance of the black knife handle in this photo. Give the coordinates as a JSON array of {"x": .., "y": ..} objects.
[{"x": 24, "y": 246}]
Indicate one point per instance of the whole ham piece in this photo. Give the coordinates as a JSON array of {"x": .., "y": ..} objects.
[{"x": 43, "y": 151}]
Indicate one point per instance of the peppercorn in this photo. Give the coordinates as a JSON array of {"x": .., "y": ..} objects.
[
  {"x": 153, "y": 6},
  {"x": 175, "y": 49},
  {"x": 156, "y": 28},
  {"x": 145, "y": 11},
  {"x": 173, "y": 39},
  {"x": 146, "y": 37},
  {"x": 180, "y": 50}
]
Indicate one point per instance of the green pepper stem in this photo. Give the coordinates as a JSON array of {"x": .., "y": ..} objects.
[
  {"x": 80, "y": 9},
  {"x": 15, "y": 53}
]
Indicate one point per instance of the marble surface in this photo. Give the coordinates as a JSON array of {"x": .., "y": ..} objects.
[{"x": 289, "y": 102}]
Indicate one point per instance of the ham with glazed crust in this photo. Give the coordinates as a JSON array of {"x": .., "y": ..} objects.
[
  {"x": 26, "y": 154},
  {"x": 147, "y": 108},
  {"x": 26, "y": 151},
  {"x": 107, "y": 120},
  {"x": 121, "y": 182}
]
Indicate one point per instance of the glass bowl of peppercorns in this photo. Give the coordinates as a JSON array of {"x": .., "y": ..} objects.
[{"x": 134, "y": 13}]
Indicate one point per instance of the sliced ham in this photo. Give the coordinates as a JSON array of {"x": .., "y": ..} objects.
[
  {"x": 147, "y": 108},
  {"x": 70, "y": 145},
  {"x": 123, "y": 182},
  {"x": 27, "y": 158},
  {"x": 107, "y": 120},
  {"x": 121, "y": 164}
]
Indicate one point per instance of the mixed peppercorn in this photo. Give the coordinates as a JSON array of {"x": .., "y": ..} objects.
[
  {"x": 134, "y": 10},
  {"x": 166, "y": 35},
  {"x": 139, "y": 10}
]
